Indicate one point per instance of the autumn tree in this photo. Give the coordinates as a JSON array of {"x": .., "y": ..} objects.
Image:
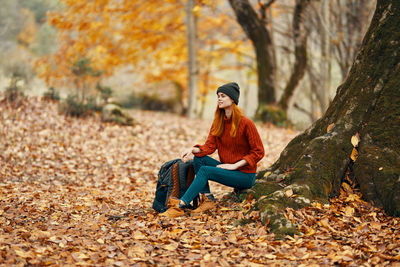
[
  {"x": 366, "y": 110},
  {"x": 148, "y": 36}
]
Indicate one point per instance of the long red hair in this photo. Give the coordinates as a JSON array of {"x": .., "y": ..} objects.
[{"x": 219, "y": 122}]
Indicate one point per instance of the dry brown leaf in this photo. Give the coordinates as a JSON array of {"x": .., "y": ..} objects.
[{"x": 84, "y": 196}]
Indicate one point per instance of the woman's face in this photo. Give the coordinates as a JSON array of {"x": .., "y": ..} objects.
[{"x": 224, "y": 101}]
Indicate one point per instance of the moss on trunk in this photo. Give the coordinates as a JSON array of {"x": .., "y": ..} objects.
[
  {"x": 378, "y": 167},
  {"x": 368, "y": 103}
]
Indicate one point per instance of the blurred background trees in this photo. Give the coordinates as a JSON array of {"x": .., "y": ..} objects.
[
  {"x": 24, "y": 36},
  {"x": 287, "y": 55}
]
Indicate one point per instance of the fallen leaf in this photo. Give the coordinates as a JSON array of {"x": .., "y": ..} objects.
[
  {"x": 267, "y": 174},
  {"x": 330, "y": 127},
  {"x": 289, "y": 193},
  {"x": 355, "y": 139},
  {"x": 349, "y": 211},
  {"x": 354, "y": 154}
]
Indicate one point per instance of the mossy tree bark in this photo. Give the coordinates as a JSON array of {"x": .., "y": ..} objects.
[{"x": 368, "y": 102}]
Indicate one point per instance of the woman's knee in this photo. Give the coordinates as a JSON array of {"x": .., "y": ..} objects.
[
  {"x": 204, "y": 171},
  {"x": 197, "y": 163},
  {"x": 196, "y": 159}
]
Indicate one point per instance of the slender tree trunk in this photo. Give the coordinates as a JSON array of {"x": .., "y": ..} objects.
[
  {"x": 368, "y": 103},
  {"x": 300, "y": 44},
  {"x": 325, "y": 64},
  {"x": 351, "y": 18},
  {"x": 256, "y": 31},
  {"x": 192, "y": 57}
]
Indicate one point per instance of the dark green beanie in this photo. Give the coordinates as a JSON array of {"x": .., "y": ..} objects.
[{"x": 232, "y": 90}]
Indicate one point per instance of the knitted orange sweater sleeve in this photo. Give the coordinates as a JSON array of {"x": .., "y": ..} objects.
[
  {"x": 209, "y": 147},
  {"x": 256, "y": 152}
]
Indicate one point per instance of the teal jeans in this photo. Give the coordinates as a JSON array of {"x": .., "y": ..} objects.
[{"x": 206, "y": 170}]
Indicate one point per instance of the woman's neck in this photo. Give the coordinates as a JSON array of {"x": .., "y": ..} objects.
[{"x": 228, "y": 112}]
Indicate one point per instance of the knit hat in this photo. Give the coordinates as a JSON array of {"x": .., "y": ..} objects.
[{"x": 232, "y": 90}]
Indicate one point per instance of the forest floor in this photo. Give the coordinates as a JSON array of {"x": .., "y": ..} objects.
[{"x": 79, "y": 192}]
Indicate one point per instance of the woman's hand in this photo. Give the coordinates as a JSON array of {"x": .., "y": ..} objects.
[
  {"x": 233, "y": 166},
  {"x": 186, "y": 155},
  {"x": 226, "y": 166}
]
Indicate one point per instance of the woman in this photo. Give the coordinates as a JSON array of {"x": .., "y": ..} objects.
[{"x": 239, "y": 149}]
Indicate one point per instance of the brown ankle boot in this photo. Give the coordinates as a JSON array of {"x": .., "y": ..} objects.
[
  {"x": 173, "y": 210},
  {"x": 208, "y": 203}
]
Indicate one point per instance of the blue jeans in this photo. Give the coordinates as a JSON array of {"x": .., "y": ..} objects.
[{"x": 206, "y": 170}]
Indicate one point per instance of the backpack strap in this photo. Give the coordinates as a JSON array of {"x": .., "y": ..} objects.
[
  {"x": 190, "y": 176},
  {"x": 175, "y": 181}
]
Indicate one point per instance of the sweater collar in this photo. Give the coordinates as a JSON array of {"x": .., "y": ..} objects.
[{"x": 227, "y": 120}]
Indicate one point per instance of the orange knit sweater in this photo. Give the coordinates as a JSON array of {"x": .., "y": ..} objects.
[{"x": 246, "y": 145}]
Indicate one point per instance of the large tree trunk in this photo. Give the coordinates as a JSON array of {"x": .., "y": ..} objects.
[
  {"x": 368, "y": 102},
  {"x": 255, "y": 29},
  {"x": 300, "y": 53}
]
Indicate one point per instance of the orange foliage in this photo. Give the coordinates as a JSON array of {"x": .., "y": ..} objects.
[
  {"x": 27, "y": 35},
  {"x": 149, "y": 35}
]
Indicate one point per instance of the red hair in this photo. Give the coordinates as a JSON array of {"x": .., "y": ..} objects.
[{"x": 218, "y": 125}]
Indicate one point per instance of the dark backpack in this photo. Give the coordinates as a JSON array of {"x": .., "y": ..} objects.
[{"x": 174, "y": 178}]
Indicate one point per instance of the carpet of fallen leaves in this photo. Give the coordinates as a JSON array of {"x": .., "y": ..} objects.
[{"x": 79, "y": 192}]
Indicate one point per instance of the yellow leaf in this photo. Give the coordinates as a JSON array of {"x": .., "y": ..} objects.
[
  {"x": 354, "y": 154},
  {"x": 317, "y": 205},
  {"x": 207, "y": 257},
  {"x": 23, "y": 254},
  {"x": 139, "y": 235},
  {"x": 124, "y": 225},
  {"x": 352, "y": 197},
  {"x": 136, "y": 251},
  {"x": 269, "y": 256},
  {"x": 53, "y": 239},
  {"x": 349, "y": 211},
  {"x": 171, "y": 247},
  {"x": 83, "y": 256},
  {"x": 347, "y": 187},
  {"x": 232, "y": 239},
  {"x": 196, "y": 10},
  {"x": 381, "y": 168},
  {"x": 325, "y": 223},
  {"x": 266, "y": 174},
  {"x": 311, "y": 232}
]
